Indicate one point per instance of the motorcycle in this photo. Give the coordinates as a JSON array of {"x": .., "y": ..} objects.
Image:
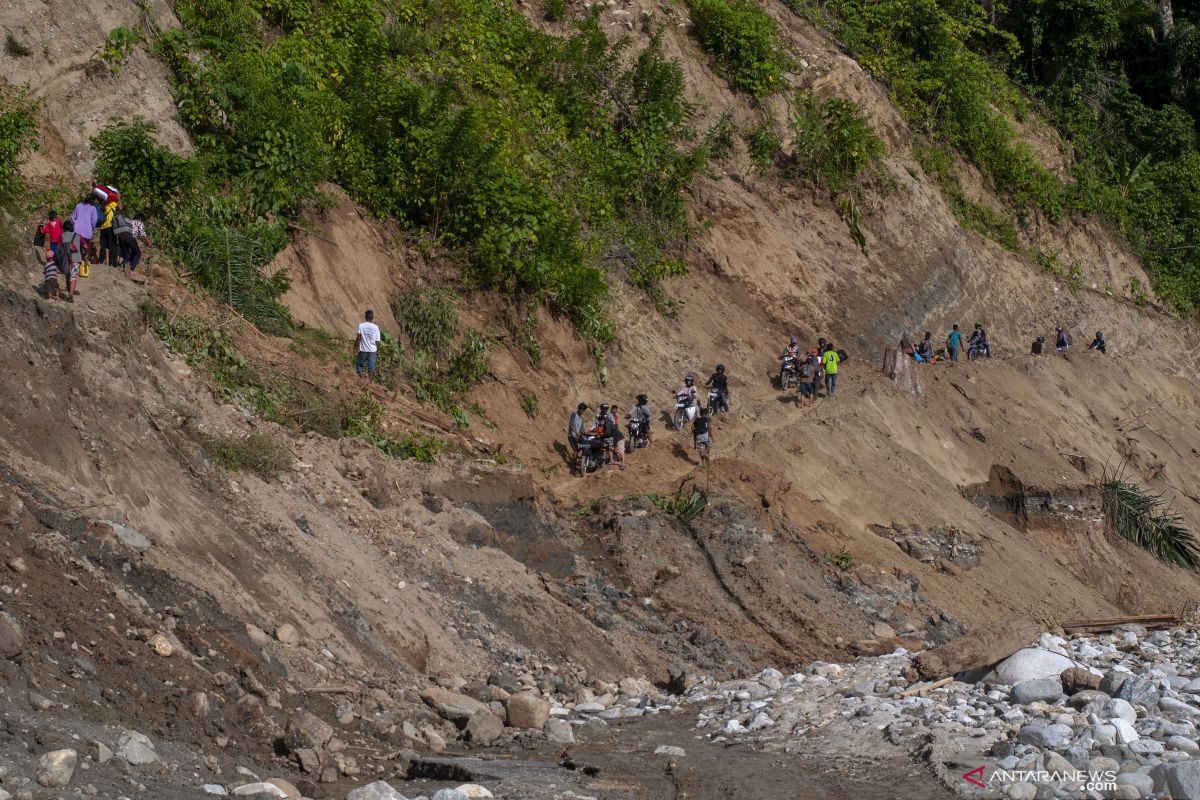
[
  {"x": 715, "y": 403},
  {"x": 978, "y": 349},
  {"x": 591, "y": 453},
  {"x": 787, "y": 373},
  {"x": 685, "y": 410},
  {"x": 638, "y": 434}
]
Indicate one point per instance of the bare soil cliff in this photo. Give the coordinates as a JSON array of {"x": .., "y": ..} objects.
[{"x": 150, "y": 588}]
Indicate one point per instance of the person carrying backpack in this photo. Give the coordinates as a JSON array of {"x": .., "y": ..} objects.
[
  {"x": 810, "y": 370},
  {"x": 1062, "y": 340},
  {"x": 830, "y": 361},
  {"x": 131, "y": 253},
  {"x": 70, "y": 257}
]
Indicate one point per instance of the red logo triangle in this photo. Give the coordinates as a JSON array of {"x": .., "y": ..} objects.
[{"x": 975, "y": 776}]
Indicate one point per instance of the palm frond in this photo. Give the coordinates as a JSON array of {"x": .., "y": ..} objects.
[{"x": 1147, "y": 520}]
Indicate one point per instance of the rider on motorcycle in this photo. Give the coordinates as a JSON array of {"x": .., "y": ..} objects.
[
  {"x": 688, "y": 392},
  {"x": 720, "y": 382},
  {"x": 641, "y": 413},
  {"x": 979, "y": 341},
  {"x": 607, "y": 427},
  {"x": 792, "y": 351}
]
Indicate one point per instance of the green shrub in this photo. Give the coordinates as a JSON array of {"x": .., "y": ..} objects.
[
  {"x": 843, "y": 560},
  {"x": 530, "y": 403},
  {"x": 117, "y": 46},
  {"x": 833, "y": 141},
  {"x": 230, "y": 261},
  {"x": 764, "y": 145},
  {"x": 18, "y": 135},
  {"x": 151, "y": 178},
  {"x": 556, "y": 10},
  {"x": 534, "y": 157},
  {"x": 744, "y": 41},
  {"x": 429, "y": 317},
  {"x": 684, "y": 503}
]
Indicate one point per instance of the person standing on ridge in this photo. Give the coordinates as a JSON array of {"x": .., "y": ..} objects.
[
  {"x": 954, "y": 342},
  {"x": 830, "y": 362},
  {"x": 367, "y": 342}
]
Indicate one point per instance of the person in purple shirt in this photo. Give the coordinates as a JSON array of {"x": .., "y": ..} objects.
[{"x": 84, "y": 219}]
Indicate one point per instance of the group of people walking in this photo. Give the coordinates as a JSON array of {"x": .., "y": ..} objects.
[
  {"x": 978, "y": 345},
  {"x": 98, "y": 230}
]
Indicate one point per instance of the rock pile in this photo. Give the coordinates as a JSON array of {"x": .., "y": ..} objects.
[{"x": 1111, "y": 716}]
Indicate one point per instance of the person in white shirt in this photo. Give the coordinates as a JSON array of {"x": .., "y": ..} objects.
[{"x": 368, "y": 347}]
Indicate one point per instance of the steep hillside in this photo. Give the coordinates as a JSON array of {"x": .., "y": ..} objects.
[{"x": 211, "y": 531}]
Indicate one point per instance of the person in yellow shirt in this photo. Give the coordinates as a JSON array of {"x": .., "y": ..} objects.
[
  {"x": 108, "y": 239},
  {"x": 830, "y": 361}
]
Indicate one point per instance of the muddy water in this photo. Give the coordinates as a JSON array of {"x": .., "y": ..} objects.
[{"x": 620, "y": 764}]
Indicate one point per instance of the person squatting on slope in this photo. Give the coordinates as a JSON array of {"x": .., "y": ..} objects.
[
  {"x": 1038, "y": 347},
  {"x": 1098, "y": 343},
  {"x": 1062, "y": 339},
  {"x": 367, "y": 342}
]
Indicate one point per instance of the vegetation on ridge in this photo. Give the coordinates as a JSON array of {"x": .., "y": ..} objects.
[{"x": 1120, "y": 80}]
